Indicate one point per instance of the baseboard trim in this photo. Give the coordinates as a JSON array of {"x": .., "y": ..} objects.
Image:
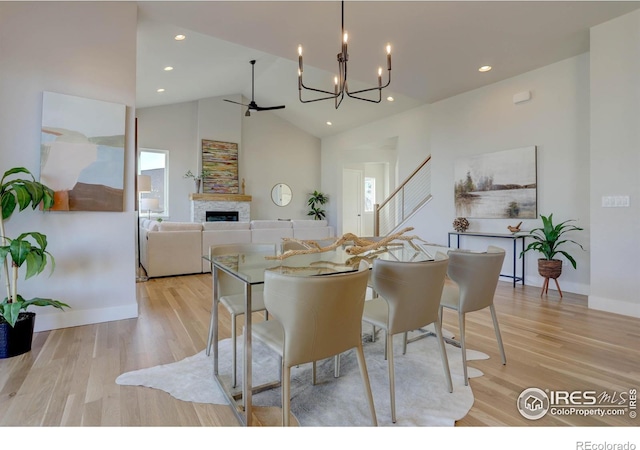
[
  {"x": 614, "y": 306},
  {"x": 53, "y": 320},
  {"x": 566, "y": 286}
]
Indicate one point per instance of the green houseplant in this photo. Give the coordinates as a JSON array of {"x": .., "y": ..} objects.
[
  {"x": 29, "y": 249},
  {"x": 547, "y": 240},
  {"x": 315, "y": 202}
]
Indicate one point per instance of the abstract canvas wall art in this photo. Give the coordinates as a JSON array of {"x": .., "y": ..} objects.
[
  {"x": 497, "y": 185},
  {"x": 82, "y": 152},
  {"x": 220, "y": 167}
]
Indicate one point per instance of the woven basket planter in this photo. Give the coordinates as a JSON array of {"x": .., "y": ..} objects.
[
  {"x": 550, "y": 268},
  {"x": 16, "y": 340}
]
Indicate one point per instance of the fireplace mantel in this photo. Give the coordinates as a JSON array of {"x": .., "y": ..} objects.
[{"x": 220, "y": 197}]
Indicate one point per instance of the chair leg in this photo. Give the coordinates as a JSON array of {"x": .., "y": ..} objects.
[
  {"x": 367, "y": 386},
  {"x": 392, "y": 378},
  {"x": 498, "y": 336},
  {"x": 373, "y": 333},
  {"x": 385, "y": 345},
  {"x": 212, "y": 325},
  {"x": 234, "y": 375},
  {"x": 336, "y": 366},
  {"x": 404, "y": 343},
  {"x": 443, "y": 355},
  {"x": 463, "y": 346},
  {"x": 210, "y": 337},
  {"x": 286, "y": 396},
  {"x": 313, "y": 373}
]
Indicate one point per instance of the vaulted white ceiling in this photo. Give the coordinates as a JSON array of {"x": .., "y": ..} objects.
[{"x": 437, "y": 50}]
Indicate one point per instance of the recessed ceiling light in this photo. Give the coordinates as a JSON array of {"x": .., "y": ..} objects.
[
  {"x": 160, "y": 90},
  {"x": 484, "y": 69},
  {"x": 390, "y": 99},
  {"x": 168, "y": 68},
  {"x": 329, "y": 123},
  {"x": 180, "y": 37}
]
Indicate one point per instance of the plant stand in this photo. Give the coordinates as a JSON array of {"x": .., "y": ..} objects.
[
  {"x": 17, "y": 340},
  {"x": 545, "y": 287}
]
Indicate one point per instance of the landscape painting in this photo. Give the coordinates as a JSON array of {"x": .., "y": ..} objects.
[
  {"x": 82, "y": 152},
  {"x": 497, "y": 185},
  {"x": 220, "y": 167}
]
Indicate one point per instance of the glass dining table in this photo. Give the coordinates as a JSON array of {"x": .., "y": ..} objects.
[{"x": 250, "y": 269}]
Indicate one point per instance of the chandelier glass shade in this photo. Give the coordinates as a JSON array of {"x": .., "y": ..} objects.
[{"x": 341, "y": 86}]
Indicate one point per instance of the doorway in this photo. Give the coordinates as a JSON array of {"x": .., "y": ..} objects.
[{"x": 352, "y": 201}]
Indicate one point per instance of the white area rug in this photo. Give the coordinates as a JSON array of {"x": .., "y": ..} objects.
[{"x": 422, "y": 397}]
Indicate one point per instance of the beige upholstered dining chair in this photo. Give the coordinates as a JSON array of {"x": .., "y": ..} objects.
[
  {"x": 293, "y": 245},
  {"x": 231, "y": 294},
  {"x": 409, "y": 298},
  {"x": 475, "y": 277},
  {"x": 314, "y": 318}
]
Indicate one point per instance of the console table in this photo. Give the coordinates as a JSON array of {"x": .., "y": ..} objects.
[{"x": 513, "y": 237}]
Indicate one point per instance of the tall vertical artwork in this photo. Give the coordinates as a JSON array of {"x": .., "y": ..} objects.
[
  {"x": 220, "y": 167},
  {"x": 497, "y": 185},
  {"x": 82, "y": 152}
]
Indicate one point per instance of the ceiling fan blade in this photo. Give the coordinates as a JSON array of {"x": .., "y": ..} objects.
[
  {"x": 252, "y": 104},
  {"x": 269, "y": 108},
  {"x": 237, "y": 103}
]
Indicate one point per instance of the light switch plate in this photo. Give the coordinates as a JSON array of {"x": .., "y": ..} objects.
[{"x": 615, "y": 201}]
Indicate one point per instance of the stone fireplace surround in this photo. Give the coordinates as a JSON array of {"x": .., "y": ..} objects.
[{"x": 201, "y": 203}]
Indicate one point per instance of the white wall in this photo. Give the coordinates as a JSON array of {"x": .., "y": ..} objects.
[
  {"x": 615, "y": 163},
  {"x": 584, "y": 117},
  {"x": 556, "y": 120},
  {"x": 173, "y": 128},
  {"x": 72, "y": 50},
  {"x": 270, "y": 151},
  {"x": 358, "y": 146},
  {"x": 275, "y": 151},
  {"x": 486, "y": 120}
]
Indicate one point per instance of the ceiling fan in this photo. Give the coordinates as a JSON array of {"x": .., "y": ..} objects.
[{"x": 252, "y": 104}]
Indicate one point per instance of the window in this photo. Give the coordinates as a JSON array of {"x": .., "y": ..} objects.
[
  {"x": 154, "y": 163},
  {"x": 369, "y": 194}
]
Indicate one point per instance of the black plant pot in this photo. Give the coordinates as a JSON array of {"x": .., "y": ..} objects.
[{"x": 16, "y": 340}]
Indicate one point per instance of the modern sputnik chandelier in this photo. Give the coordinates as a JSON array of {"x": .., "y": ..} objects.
[{"x": 341, "y": 86}]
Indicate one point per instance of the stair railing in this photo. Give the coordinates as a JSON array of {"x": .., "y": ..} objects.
[{"x": 405, "y": 201}]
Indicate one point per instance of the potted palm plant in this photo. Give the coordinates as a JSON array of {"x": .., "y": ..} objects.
[
  {"x": 315, "y": 202},
  {"x": 29, "y": 249},
  {"x": 547, "y": 240}
]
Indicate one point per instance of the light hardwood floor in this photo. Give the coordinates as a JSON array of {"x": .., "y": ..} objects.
[{"x": 68, "y": 377}]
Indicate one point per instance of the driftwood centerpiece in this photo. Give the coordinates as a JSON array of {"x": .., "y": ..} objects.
[{"x": 360, "y": 245}]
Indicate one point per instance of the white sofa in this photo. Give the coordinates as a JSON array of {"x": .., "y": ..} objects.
[
  {"x": 170, "y": 248},
  {"x": 176, "y": 248}
]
